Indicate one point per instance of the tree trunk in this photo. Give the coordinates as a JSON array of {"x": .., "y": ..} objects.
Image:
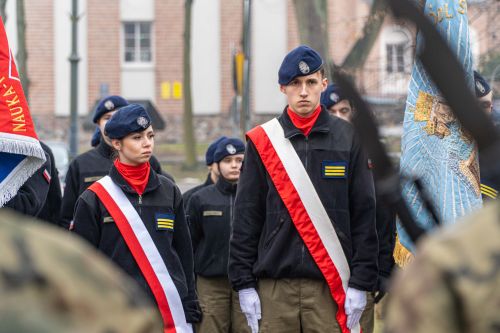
[
  {"x": 189, "y": 139},
  {"x": 2, "y": 11},
  {"x": 358, "y": 54},
  {"x": 312, "y": 19},
  {"x": 22, "y": 54}
]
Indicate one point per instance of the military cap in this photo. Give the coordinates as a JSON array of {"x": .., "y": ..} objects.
[
  {"x": 108, "y": 104},
  {"x": 332, "y": 95},
  {"x": 301, "y": 61},
  {"x": 481, "y": 85},
  {"x": 129, "y": 119},
  {"x": 96, "y": 137},
  {"x": 209, "y": 155},
  {"x": 227, "y": 147}
]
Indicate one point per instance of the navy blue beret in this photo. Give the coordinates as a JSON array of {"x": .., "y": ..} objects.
[
  {"x": 300, "y": 61},
  {"x": 96, "y": 137},
  {"x": 481, "y": 85},
  {"x": 209, "y": 155},
  {"x": 129, "y": 119},
  {"x": 332, "y": 95},
  {"x": 228, "y": 146},
  {"x": 108, "y": 104}
]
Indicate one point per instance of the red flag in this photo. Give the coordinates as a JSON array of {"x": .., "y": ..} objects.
[{"x": 20, "y": 152}]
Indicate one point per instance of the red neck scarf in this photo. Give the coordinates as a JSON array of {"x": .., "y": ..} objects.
[
  {"x": 136, "y": 175},
  {"x": 304, "y": 124}
]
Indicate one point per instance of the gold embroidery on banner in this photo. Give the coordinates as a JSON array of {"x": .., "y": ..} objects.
[
  {"x": 436, "y": 112},
  {"x": 423, "y": 107},
  {"x": 470, "y": 169},
  {"x": 462, "y": 4}
]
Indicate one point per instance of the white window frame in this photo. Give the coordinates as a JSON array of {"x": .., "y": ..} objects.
[
  {"x": 137, "y": 63},
  {"x": 395, "y": 82}
]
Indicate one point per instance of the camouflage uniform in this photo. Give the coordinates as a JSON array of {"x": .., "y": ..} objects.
[
  {"x": 453, "y": 284},
  {"x": 51, "y": 282}
]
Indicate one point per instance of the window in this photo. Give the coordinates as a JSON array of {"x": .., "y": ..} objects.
[
  {"x": 397, "y": 50},
  {"x": 137, "y": 42},
  {"x": 395, "y": 62}
]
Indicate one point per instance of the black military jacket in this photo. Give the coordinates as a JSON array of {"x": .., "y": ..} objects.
[
  {"x": 32, "y": 195},
  {"x": 210, "y": 213},
  {"x": 264, "y": 240},
  {"x": 189, "y": 193},
  {"x": 51, "y": 208},
  {"x": 83, "y": 171},
  {"x": 161, "y": 196}
]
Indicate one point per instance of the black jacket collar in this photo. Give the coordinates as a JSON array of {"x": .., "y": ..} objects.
[
  {"x": 153, "y": 181},
  {"x": 225, "y": 187},
  {"x": 321, "y": 124},
  {"x": 208, "y": 181},
  {"x": 104, "y": 149}
]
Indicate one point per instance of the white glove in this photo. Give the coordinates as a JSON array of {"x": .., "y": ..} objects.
[
  {"x": 250, "y": 306},
  {"x": 355, "y": 302}
]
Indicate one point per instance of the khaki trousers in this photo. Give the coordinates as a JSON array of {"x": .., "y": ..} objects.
[
  {"x": 220, "y": 306},
  {"x": 367, "y": 320},
  {"x": 296, "y": 305},
  {"x": 301, "y": 306}
]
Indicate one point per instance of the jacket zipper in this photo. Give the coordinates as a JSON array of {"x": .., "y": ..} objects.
[
  {"x": 140, "y": 203},
  {"x": 230, "y": 209}
]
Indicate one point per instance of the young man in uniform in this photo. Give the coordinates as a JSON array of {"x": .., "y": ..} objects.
[
  {"x": 210, "y": 213},
  {"x": 94, "y": 164},
  {"x": 336, "y": 103},
  {"x": 303, "y": 250},
  {"x": 213, "y": 172}
]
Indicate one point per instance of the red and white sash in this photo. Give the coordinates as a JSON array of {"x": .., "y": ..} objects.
[
  {"x": 145, "y": 253},
  {"x": 306, "y": 210}
]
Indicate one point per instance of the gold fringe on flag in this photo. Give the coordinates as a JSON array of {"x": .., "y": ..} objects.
[{"x": 402, "y": 256}]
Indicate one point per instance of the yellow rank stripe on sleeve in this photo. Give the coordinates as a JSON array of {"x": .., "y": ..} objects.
[{"x": 489, "y": 191}]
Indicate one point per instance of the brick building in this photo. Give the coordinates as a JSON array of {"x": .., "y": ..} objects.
[{"x": 135, "y": 48}]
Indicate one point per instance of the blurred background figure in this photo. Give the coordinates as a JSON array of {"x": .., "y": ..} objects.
[
  {"x": 53, "y": 282},
  {"x": 213, "y": 171},
  {"x": 339, "y": 106},
  {"x": 210, "y": 212},
  {"x": 453, "y": 284}
]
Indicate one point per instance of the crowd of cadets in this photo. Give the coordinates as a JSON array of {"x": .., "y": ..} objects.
[{"x": 231, "y": 245}]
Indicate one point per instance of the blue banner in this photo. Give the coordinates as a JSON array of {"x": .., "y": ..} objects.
[{"x": 434, "y": 147}]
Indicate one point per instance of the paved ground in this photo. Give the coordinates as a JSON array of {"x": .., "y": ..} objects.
[{"x": 187, "y": 183}]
